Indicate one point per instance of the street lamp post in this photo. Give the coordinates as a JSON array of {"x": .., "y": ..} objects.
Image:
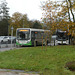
[
  {"x": 11, "y": 35},
  {"x": 23, "y": 23}
]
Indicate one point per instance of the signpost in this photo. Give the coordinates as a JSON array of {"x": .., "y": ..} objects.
[{"x": 11, "y": 35}]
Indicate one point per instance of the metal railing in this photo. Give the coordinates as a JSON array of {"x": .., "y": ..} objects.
[{"x": 7, "y": 44}]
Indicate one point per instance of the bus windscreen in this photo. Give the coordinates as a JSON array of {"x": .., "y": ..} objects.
[{"x": 23, "y": 34}]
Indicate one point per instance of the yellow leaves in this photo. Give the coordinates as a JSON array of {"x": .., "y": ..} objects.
[
  {"x": 69, "y": 33},
  {"x": 57, "y": 18},
  {"x": 74, "y": 7},
  {"x": 71, "y": 28},
  {"x": 18, "y": 20},
  {"x": 73, "y": 34}
]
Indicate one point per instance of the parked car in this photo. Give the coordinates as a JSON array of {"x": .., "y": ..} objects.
[
  {"x": 3, "y": 39},
  {"x": 7, "y": 39},
  {"x": 12, "y": 38}
]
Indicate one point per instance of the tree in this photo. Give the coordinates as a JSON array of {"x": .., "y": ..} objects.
[
  {"x": 69, "y": 10},
  {"x": 4, "y": 10},
  {"x": 25, "y": 21},
  {"x": 4, "y": 17},
  {"x": 59, "y": 16},
  {"x": 50, "y": 15},
  {"x": 4, "y": 27},
  {"x": 18, "y": 20},
  {"x": 37, "y": 25}
]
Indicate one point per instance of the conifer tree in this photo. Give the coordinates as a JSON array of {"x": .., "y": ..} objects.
[{"x": 4, "y": 17}]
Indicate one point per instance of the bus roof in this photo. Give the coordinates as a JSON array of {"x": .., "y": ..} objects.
[
  {"x": 32, "y": 29},
  {"x": 59, "y": 31}
]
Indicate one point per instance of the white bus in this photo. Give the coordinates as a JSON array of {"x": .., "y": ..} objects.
[
  {"x": 27, "y": 36},
  {"x": 62, "y": 37}
]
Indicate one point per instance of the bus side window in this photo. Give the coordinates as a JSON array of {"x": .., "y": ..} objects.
[
  {"x": 32, "y": 34},
  {"x": 36, "y": 35},
  {"x": 39, "y": 35}
]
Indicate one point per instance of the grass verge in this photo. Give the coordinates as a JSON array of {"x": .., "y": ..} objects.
[{"x": 47, "y": 62}]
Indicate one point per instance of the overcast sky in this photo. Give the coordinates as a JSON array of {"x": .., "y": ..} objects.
[{"x": 29, "y": 7}]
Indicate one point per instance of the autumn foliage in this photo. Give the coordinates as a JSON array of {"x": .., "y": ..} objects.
[{"x": 60, "y": 15}]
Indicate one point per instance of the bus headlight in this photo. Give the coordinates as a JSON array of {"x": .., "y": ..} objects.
[
  {"x": 28, "y": 41},
  {"x": 16, "y": 40}
]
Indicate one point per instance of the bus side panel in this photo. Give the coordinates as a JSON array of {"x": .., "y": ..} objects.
[
  {"x": 35, "y": 38},
  {"x": 38, "y": 37},
  {"x": 32, "y": 37}
]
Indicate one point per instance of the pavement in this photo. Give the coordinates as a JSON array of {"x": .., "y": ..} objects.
[
  {"x": 13, "y": 73},
  {"x": 16, "y": 72},
  {"x": 9, "y": 48},
  {"x": 6, "y": 47}
]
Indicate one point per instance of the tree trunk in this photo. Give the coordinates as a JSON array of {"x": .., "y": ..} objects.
[{"x": 71, "y": 10}]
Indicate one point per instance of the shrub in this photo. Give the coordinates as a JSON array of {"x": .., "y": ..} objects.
[{"x": 70, "y": 66}]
